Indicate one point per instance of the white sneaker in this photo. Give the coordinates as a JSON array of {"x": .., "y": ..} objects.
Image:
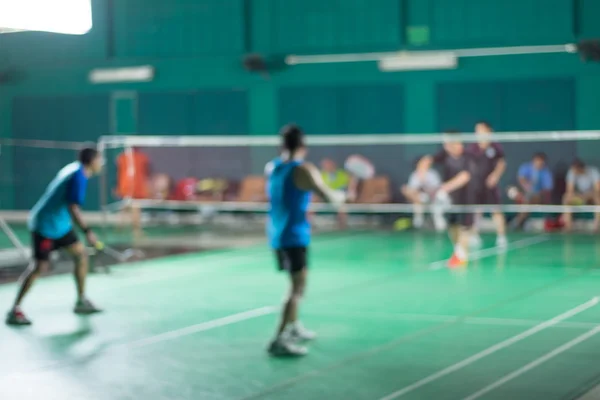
[
  {"x": 298, "y": 332},
  {"x": 501, "y": 242},
  {"x": 86, "y": 307},
  {"x": 284, "y": 348},
  {"x": 475, "y": 241}
]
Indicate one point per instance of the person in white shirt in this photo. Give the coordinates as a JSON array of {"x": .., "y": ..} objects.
[
  {"x": 583, "y": 187},
  {"x": 420, "y": 191}
]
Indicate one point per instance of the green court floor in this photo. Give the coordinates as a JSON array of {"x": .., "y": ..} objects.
[{"x": 393, "y": 322}]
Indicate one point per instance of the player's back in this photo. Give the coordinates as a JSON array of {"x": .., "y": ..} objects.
[
  {"x": 50, "y": 216},
  {"x": 288, "y": 224}
]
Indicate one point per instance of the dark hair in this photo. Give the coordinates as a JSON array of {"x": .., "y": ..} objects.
[
  {"x": 292, "y": 138},
  {"x": 87, "y": 155},
  {"x": 578, "y": 164},
  {"x": 541, "y": 155}
]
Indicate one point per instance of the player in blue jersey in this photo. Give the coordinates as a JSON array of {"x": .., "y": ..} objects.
[
  {"x": 290, "y": 183},
  {"x": 51, "y": 225}
]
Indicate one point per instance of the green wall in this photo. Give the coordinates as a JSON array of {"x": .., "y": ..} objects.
[
  {"x": 197, "y": 47},
  {"x": 200, "y": 44}
]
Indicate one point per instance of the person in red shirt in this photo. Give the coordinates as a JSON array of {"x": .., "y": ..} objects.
[{"x": 133, "y": 173}]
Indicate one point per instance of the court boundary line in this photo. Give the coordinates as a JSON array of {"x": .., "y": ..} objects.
[
  {"x": 496, "y": 250},
  {"x": 535, "y": 363},
  {"x": 159, "y": 338},
  {"x": 201, "y": 327},
  {"x": 491, "y": 350},
  {"x": 491, "y": 321}
]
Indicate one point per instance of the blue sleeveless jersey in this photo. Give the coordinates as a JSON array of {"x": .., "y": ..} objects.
[
  {"x": 288, "y": 224},
  {"x": 50, "y": 217}
]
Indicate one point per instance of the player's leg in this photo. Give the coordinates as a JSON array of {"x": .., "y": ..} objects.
[
  {"x": 290, "y": 329},
  {"x": 521, "y": 218},
  {"x": 475, "y": 241},
  {"x": 41, "y": 247},
  {"x": 493, "y": 198},
  {"x": 460, "y": 234},
  {"x": 415, "y": 198},
  {"x": 568, "y": 200},
  {"x": 77, "y": 250},
  {"x": 477, "y": 196}
]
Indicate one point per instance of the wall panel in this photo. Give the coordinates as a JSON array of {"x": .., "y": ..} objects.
[
  {"x": 179, "y": 28},
  {"x": 498, "y": 23},
  {"x": 344, "y": 109},
  {"x": 64, "y": 118},
  {"x": 317, "y": 26}
]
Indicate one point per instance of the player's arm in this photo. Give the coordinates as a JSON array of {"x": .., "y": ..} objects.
[
  {"x": 522, "y": 178},
  {"x": 308, "y": 177},
  {"x": 458, "y": 182},
  {"x": 547, "y": 186},
  {"x": 500, "y": 168},
  {"x": 570, "y": 189},
  {"x": 75, "y": 198}
]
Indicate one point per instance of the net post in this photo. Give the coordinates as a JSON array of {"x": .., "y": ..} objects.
[{"x": 13, "y": 238}]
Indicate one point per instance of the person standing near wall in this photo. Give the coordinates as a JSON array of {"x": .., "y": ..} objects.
[{"x": 133, "y": 173}]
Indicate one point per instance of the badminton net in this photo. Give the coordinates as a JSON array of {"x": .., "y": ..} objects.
[{"x": 198, "y": 178}]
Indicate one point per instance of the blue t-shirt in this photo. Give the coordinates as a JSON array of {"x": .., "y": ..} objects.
[
  {"x": 540, "y": 179},
  {"x": 288, "y": 224},
  {"x": 50, "y": 217}
]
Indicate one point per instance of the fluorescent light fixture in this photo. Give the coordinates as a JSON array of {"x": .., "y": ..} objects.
[
  {"x": 144, "y": 73},
  {"x": 419, "y": 62},
  {"x": 72, "y": 17}
]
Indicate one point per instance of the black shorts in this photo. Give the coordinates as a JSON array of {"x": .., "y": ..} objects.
[
  {"x": 292, "y": 259},
  {"x": 463, "y": 219},
  {"x": 487, "y": 196},
  {"x": 42, "y": 246}
]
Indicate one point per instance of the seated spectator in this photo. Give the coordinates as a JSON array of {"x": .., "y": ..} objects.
[
  {"x": 420, "y": 191},
  {"x": 536, "y": 182},
  {"x": 583, "y": 187},
  {"x": 338, "y": 179}
]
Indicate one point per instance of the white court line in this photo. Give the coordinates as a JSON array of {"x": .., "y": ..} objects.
[
  {"x": 534, "y": 364},
  {"x": 456, "y": 318},
  {"x": 496, "y": 250},
  {"x": 203, "y": 326},
  {"x": 493, "y": 349},
  {"x": 163, "y": 337}
]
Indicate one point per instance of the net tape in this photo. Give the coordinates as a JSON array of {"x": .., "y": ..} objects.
[
  {"x": 108, "y": 142},
  {"x": 115, "y": 142},
  {"x": 124, "y": 142},
  {"x": 386, "y": 208}
]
